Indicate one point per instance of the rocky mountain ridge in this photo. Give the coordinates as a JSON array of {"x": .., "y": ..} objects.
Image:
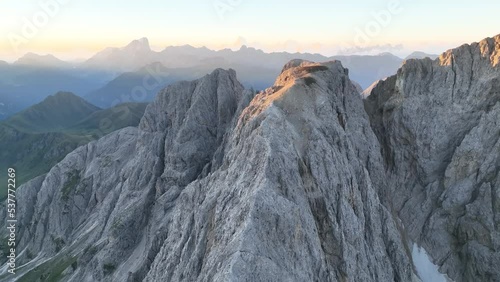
[
  {"x": 203, "y": 189},
  {"x": 304, "y": 181}
]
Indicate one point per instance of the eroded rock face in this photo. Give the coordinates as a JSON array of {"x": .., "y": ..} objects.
[
  {"x": 294, "y": 199},
  {"x": 217, "y": 186},
  {"x": 302, "y": 182},
  {"x": 438, "y": 125},
  {"x": 98, "y": 204}
]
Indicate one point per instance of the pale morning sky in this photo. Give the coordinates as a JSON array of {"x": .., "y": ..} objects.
[{"x": 78, "y": 28}]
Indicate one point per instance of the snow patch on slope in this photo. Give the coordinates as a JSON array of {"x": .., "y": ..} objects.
[{"x": 427, "y": 271}]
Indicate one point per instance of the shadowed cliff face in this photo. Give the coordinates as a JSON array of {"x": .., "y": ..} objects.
[
  {"x": 438, "y": 125},
  {"x": 300, "y": 182}
]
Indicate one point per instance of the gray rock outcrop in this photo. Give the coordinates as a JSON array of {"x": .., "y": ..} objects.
[
  {"x": 217, "y": 186},
  {"x": 438, "y": 124}
]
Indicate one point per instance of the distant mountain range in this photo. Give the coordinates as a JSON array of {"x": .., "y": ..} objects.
[
  {"x": 38, "y": 137},
  {"x": 23, "y": 84},
  {"x": 56, "y": 112},
  {"x": 118, "y": 75},
  {"x": 255, "y": 68},
  {"x": 138, "y": 86},
  {"x": 247, "y": 61},
  {"x": 32, "y": 59}
]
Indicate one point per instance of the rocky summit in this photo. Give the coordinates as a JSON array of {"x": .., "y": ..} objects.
[{"x": 304, "y": 181}]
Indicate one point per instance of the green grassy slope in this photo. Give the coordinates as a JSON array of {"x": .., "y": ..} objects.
[
  {"x": 108, "y": 120},
  {"x": 56, "y": 112},
  {"x": 32, "y": 147}
]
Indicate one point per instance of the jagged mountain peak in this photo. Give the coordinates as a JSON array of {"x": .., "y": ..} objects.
[
  {"x": 487, "y": 49},
  {"x": 295, "y": 63},
  {"x": 132, "y": 56},
  {"x": 295, "y": 77},
  {"x": 299, "y": 68},
  {"x": 137, "y": 45},
  {"x": 219, "y": 86}
]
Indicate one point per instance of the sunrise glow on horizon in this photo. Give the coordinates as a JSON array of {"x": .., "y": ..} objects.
[{"x": 73, "y": 29}]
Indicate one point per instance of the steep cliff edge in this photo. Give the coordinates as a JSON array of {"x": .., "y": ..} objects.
[
  {"x": 217, "y": 185},
  {"x": 438, "y": 126},
  {"x": 304, "y": 181},
  {"x": 294, "y": 198}
]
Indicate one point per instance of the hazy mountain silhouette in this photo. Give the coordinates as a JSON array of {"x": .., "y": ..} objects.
[
  {"x": 363, "y": 69},
  {"x": 32, "y": 59},
  {"x": 136, "y": 54},
  {"x": 111, "y": 75},
  {"x": 23, "y": 85}
]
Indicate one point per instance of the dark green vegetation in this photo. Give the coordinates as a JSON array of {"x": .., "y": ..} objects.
[
  {"x": 108, "y": 268},
  {"x": 35, "y": 139},
  {"x": 51, "y": 270},
  {"x": 56, "y": 112},
  {"x": 70, "y": 184}
]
